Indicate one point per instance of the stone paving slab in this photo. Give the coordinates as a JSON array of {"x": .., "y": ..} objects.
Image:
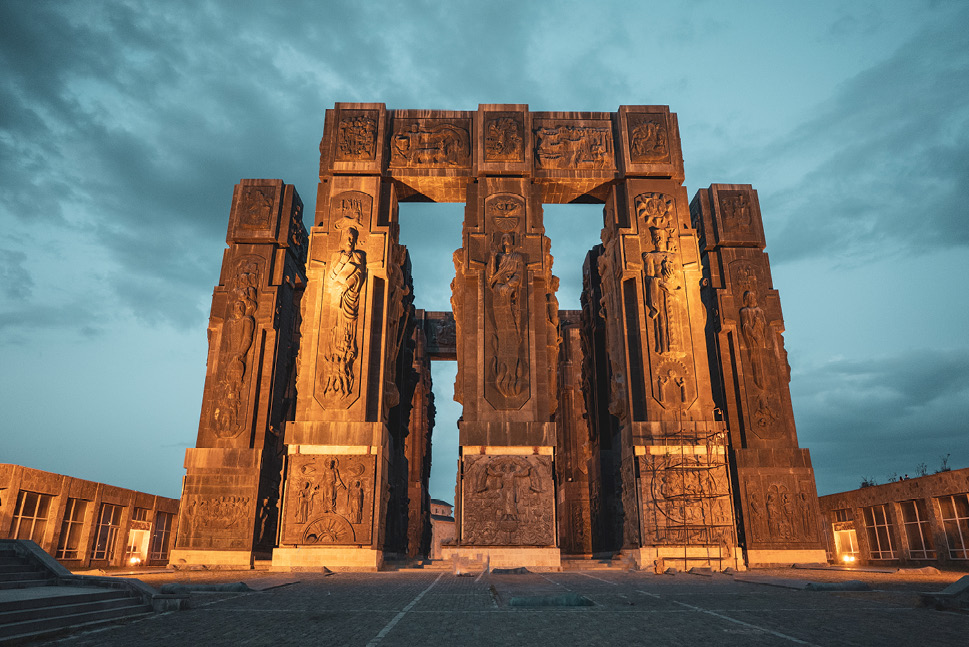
[{"x": 440, "y": 609}]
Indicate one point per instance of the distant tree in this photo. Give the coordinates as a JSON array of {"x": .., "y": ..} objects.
[
  {"x": 944, "y": 465},
  {"x": 868, "y": 481},
  {"x": 921, "y": 469},
  {"x": 893, "y": 477}
]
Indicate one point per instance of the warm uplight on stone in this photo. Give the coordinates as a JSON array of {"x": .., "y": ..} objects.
[{"x": 626, "y": 427}]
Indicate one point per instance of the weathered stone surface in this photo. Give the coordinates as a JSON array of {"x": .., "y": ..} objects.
[
  {"x": 661, "y": 409},
  {"x": 230, "y": 493},
  {"x": 778, "y": 500}
]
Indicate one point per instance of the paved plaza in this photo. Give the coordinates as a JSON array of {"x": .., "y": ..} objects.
[{"x": 627, "y": 608}]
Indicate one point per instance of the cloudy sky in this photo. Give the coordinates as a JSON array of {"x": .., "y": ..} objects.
[{"x": 125, "y": 125}]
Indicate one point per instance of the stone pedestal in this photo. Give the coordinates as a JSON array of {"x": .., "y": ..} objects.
[
  {"x": 773, "y": 477},
  {"x": 229, "y": 501}
]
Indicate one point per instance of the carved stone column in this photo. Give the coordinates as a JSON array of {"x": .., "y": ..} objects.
[
  {"x": 675, "y": 483},
  {"x": 230, "y": 493},
  {"x": 773, "y": 477},
  {"x": 338, "y": 449},
  {"x": 507, "y": 343},
  {"x": 418, "y": 448},
  {"x": 577, "y": 467}
]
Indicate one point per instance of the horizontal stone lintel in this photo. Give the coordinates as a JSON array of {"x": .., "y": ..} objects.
[
  {"x": 222, "y": 458},
  {"x": 662, "y": 450},
  {"x": 333, "y": 449},
  {"x": 507, "y": 434},
  {"x": 514, "y": 450}
]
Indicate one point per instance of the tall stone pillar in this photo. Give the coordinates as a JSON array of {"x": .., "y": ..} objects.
[
  {"x": 675, "y": 481},
  {"x": 773, "y": 477},
  {"x": 506, "y": 316},
  {"x": 418, "y": 448},
  {"x": 338, "y": 448},
  {"x": 576, "y": 465},
  {"x": 228, "y": 509}
]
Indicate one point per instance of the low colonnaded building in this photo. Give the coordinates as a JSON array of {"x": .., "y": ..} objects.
[
  {"x": 919, "y": 521},
  {"x": 85, "y": 524}
]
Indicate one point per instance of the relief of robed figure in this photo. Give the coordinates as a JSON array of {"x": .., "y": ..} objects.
[
  {"x": 506, "y": 275},
  {"x": 661, "y": 286},
  {"x": 345, "y": 279}
]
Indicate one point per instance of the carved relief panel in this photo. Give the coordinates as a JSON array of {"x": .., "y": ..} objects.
[
  {"x": 254, "y": 212},
  {"x": 649, "y": 138},
  {"x": 686, "y": 497},
  {"x": 256, "y": 208},
  {"x": 356, "y": 136},
  {"x": 650, "y": 142},
  {"x": 668, "y": 337},
  {"x": 507, "y": 379},
  {"x": 216, "y": 513},
  {"x": 329, "y": 499},
  {"x": 508, "y": 501},
  {"x": 343, "y": 301},
  {"x": 504, "y": 137},
  {"x": 734, "y": 216},
  {"x": 430, "y": 143},
  {"x": 230, "y": 409},
  {"x": 765, "y": 372},
  {"x": 573, "y": 144},
  {"x": 780, "y": 509}
]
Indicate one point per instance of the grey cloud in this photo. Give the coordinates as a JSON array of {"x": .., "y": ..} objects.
[
  {"x": 892, "y": 157},
  {"x": 871, "y": 417},
  {"x": 15, "y": 280},
  {"x": 18, "y": 325}
]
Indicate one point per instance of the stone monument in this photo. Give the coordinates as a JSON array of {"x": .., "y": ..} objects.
[{"x": 654, "y": 425}]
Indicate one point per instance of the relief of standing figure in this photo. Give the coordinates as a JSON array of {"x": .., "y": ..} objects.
[
  {"x": 345, "y": 281},
  {"x": 506, "y": 274},
  {"x": 661, "y": 284},
  {"x": 753, "y": 325}
]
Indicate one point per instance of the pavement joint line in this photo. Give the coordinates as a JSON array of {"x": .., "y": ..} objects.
[
  {"x": 393, "y": 621},
  {"x": 597, "y": 578},
  {"x": 746, "y": 624},
  {"x": 553, "y": 581},
  {"x": 652, "y": 595}
]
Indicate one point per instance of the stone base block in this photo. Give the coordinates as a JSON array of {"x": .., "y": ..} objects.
[
  {"x": 230, "y": 559},
  {"x": 659, "y": 558},
  {"x": 762, "y": 557},
  {"x": 335, "y": 558},
  {"x": 532, "y": 558}
]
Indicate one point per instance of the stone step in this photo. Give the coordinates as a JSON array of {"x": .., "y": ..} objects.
[
  {"x": 53, "y": 597},
  {"x": 44, "y": 626},
  {"x": 23, "y": 573},
  {"x": 76, "y": 607},
  {"x": 13, "y": 568},
  {"x": 24, "y": 584}
]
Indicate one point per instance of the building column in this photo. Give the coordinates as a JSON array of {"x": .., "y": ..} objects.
[
  {"x": 676, "y": 497},
  {"x": 773, "y": 477},
  {"x": 338, "y": 449},
  {"x": 230, "y": 492},
  {"x": 506, "y": 317}
]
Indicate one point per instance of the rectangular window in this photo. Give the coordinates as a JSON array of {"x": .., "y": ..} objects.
[
  {"x": 954, "y": 511},
  {"x": 30, "y": 516},
  {"x": 879, "y": 532},
  {"x": 70, "y": 542},
  {"x": 843, "y": 515},
  {"x": 159, "y": 538},
  {"x": 109, "y": 523},
  {"x": 917, "y": 529},
  {"x": 140, "y": 514}
]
